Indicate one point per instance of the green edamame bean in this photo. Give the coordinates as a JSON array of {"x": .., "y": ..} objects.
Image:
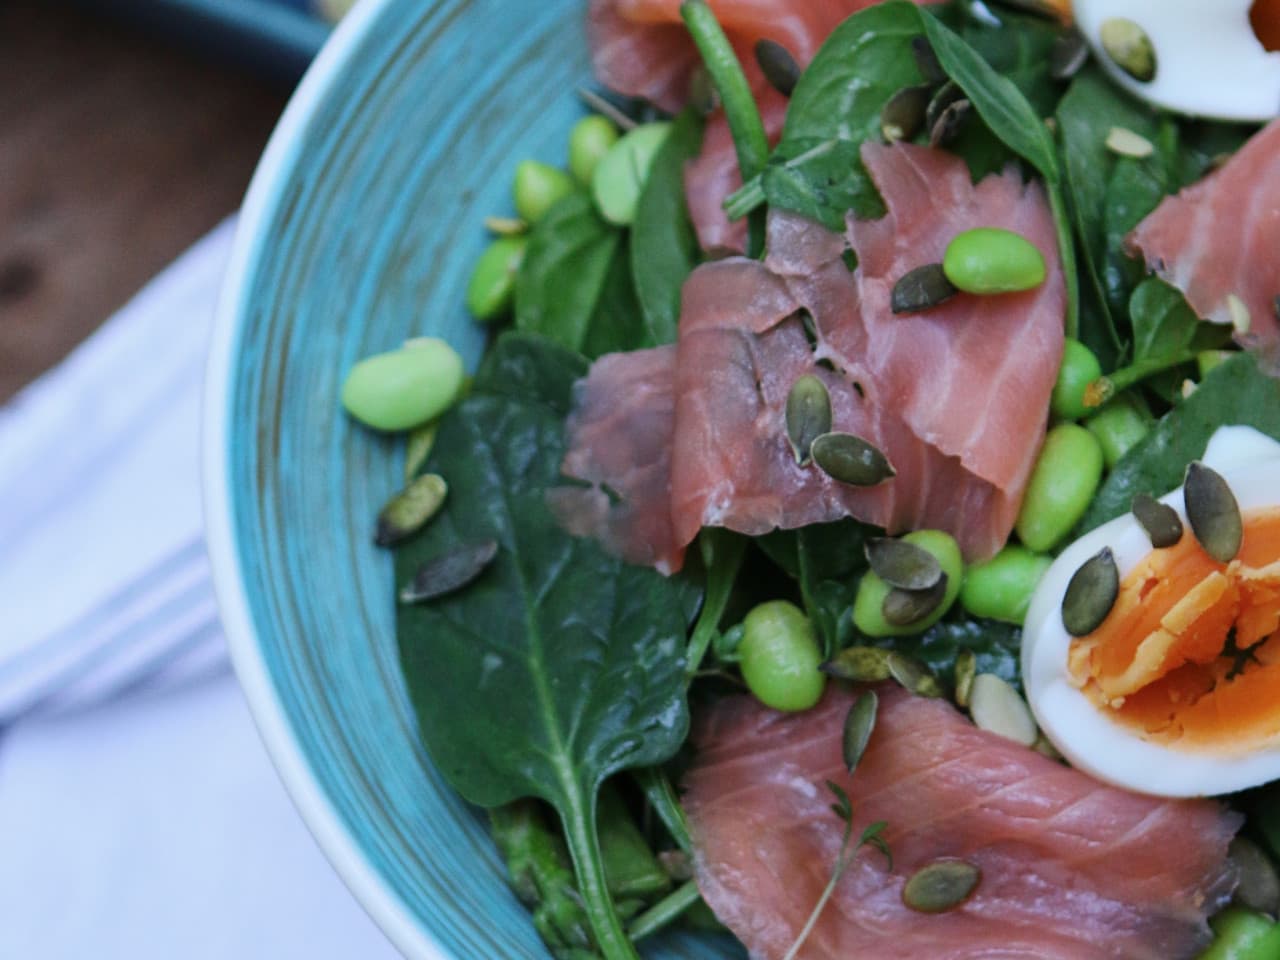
[
  {"x": 1079, "y": 369},
  {"x": 1001, "y": 588},
  {"x": 493, "y": 280},
  {"x": 620, "y": 175},
  {"x": 1119, "y": 426},
  {"x": 404, "y": 388},
  {"x": 1243, "y": 935},
  {"x": 589, "y": 141},
  {"x": 779, "y": 657},
  {"x": 538, "y": 187},
  {"x": 1063, "y": 481},
  {"x": 868, "y": 615},
  {"x": 992, "y": 260}
]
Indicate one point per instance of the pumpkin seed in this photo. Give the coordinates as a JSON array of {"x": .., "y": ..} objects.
[
  {"x": 858, "y": 724},
  {"x": 850, "y": 459},
  {"x": 450, "y": 571},
  {"x": 904, "y": 607},
  {"x": 418, "y": 448},
  {"x": 904, "y": 112},
  {"x": 1241, "y": 319},
  {"x": 1129, "y": 48},
  {"x": 941, "y": 886},
  {"x": 927, "y": 61},
  {"x": 1212, "y": 512},
  {"x": 966, "y": 670},
  {"x": 1259, "y": 886},
  {"x": 997, "y": 707},
  {"x": 946, "y": 95},
  {"x": 505, "y": 226},
  {"x": 1091, "y": 594},
  {"x": 808, "y": 415},
  {"x": 1188, "y": 388},
  {"x": 1125, "y": 142},
  {"x": 1159, "y": 520},
  {"x": 859, "y": 664},
  {"x": 409, "y": 510},
  {"x": 1067, "y": 55},
  {"x": 913, "y": 675},
  {"x": 778, "y": 66},
  {"x": 921, "y": 288},
  {"x": 949, "y": 123},
  {"x": 903, "y": 564}
]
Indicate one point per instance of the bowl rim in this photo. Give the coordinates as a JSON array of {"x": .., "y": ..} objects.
[{"x": 261, "y": 204}]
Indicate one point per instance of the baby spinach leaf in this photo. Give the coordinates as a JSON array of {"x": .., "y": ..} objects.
[
  {"x": 821, "y": 180},
  {"x": 618, "y": 322},
  {"x": 664, "y": 246},
  {"x": 1018, "y": 49},
  {"x": 1236, "y": 392},
  {"x": 1163, "y": 324},
  {"x": 559, "y": 665},
  {"x": 996, "y": 645}
]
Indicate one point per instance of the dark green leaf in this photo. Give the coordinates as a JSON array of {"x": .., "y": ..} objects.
[
  {"x": 561, "y": 665},
  {"x": 664, "y": 247},
  {"x": 995, "y": 645},
  {"x": 1163, "y": 324},
  {"x": 1019, "y": 50},
  {"x": 618, "y": 322},
  {"x": 1236, "y": 392},
  {"x": 565, "y": 271},
  {"x": 821, "y": 180}
]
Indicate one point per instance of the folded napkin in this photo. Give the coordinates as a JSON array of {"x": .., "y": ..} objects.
[{"x": 139, "y": 815}]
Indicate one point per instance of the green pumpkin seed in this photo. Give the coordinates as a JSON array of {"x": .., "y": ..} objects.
[
  {"x": 1129, "y": 47},
  {"x": 778, "y": 66},
  {"x": 808, "y": 415},
  {"x": 1212, "y": 512},
  {"x": 966, "y": 670},
  {"x": 858, "y": 724},
  {"x": 850, "y": 459},
  {"x": 903, "y": 114},
  {"x": 903, "y": 564},
  {"x": 418, "y": 448},
  {"x": 450, "y": 571},
  {"x": 949, "y": 123},
  {"x": 997, "y": 707},
  {"x": 913, "y": 675},
  {"x": 410, "y": 509},
  {"x": 1067, "y": 55},
  {"x": 1259, "y": 886},
  {"x": 1091, "y": 594},
  {"x": 921, "y": 288},
  {"x": 941, "y": 886},
  {"x": 927, "y": 61},
  {"x": 859, "y": 664},
  {"x": 1126, "y": 143},
  {"x": 1159, "y": 520},
  {"x": 904, "y": 607},
  {"x": 505, "y": 226}
]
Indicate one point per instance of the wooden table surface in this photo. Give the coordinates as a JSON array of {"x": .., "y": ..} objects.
[{"x": 117, "y": 151}]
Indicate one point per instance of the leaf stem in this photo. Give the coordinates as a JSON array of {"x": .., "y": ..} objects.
[
  {"x": 749, "y": 138},
  {"x": 722, "y": 554},
  {"x": 843, "y": 859},
  {"x": 745, "y": 199},
  {"x": 588, "y": 863},
  {"x": 1067, "y": 253},
  {"x": 665, "y": 911},
  {"x": 1104, "y": 388},
  {"x": 662, "y": 797}
]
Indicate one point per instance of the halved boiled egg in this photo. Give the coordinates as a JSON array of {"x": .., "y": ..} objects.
[
  {"x": 1190, "y": 56},
  {"x": 1177, "y": 692}
]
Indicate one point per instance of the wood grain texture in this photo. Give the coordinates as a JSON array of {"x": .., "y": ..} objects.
[{"x": 116, "y": 153}]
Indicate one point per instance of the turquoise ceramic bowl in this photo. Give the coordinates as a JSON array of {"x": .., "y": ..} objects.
[{"x": 359, "y": 231}]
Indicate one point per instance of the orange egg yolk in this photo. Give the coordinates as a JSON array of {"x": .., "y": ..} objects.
[{"x": 1189, "y": 656}]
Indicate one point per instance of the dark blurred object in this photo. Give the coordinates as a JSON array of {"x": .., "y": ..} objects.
[
  {"x": 276, "y": 37},
  {"x": 117, "y": 151}
]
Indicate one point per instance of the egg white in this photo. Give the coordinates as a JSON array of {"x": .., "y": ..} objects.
[
  {"x": 1084, "y": 734},
  {"x": 1209, "y": 62}
]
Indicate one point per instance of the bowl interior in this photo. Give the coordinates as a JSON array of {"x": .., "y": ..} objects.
[{"x": 360, "y": 232}]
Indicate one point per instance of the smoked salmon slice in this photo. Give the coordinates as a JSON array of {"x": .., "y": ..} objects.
[
  {"x": 956, "y": 397},
  {"x": 1070, "y": 868},
  {"x": 1220, "y": 238}
]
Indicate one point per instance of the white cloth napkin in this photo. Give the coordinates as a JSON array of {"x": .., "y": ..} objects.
[{"x": 139, "y": 815}]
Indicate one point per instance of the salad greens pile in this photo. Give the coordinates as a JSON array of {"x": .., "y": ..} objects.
[{"x": 554, "y": 688}]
